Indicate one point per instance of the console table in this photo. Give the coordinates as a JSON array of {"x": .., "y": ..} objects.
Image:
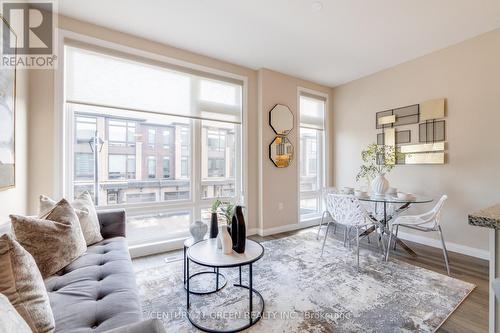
[{"x": 490, "y": 218}]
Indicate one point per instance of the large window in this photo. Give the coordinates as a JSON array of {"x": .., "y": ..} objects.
[
  {"x": 168, "y": 142},
  {"x": 312, "y": 155}
]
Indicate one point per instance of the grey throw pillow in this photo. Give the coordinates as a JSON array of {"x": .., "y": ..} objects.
[
  {"x": 87, "y": 215},
  {"x": 22, "y": 283},
  {"x": 54, "y": 241}
]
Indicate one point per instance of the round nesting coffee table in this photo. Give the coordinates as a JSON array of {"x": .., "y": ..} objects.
[
  {"x": 218, "y": 286},
  {"x": 206, "y": 253}
]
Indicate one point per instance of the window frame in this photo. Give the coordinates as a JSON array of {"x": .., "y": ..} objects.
[
  {"x": 324, "y": 177},
  {"x": 63, "y": 185}
]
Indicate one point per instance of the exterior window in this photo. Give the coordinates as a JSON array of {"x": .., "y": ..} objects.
[
  {"x": 121, "y": 132},
  {"x": 121, "y": 167},
  {"x": 166, "y": 139},
  {"x": 84, "y": 166},
  {"x": 312, "y": 156},
  {"x": 166, "y": 167},
  {"x": 151, "y": 137},
  {"x": 146, "y": 160},
  {"x": 216, "y": 167},
  {"x": 151, "y": 167},
  {"x": 117, "y": 166},
  {"x": 131, "y": 167},
  {"x": 85, "y": 129}
]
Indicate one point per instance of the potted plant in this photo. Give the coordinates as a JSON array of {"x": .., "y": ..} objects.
[{"x": 378, "y": 160}]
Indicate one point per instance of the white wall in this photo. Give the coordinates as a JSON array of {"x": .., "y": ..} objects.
[{"x": 468, "y": 76}]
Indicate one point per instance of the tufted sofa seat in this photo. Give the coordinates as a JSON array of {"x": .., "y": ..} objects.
[{"x": 97, "y": 292}]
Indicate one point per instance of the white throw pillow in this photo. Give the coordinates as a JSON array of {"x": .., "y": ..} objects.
[{"x": 85, "y": 210}]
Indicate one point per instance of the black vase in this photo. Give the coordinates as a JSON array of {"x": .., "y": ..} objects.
[
  {"x": 234, "y": 230},
  {"x": 241, "y": 231},
  {"x": 214, "y": 226}
]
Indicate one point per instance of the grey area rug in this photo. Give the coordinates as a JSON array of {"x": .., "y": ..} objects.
[{"x": 306, "y": 293}]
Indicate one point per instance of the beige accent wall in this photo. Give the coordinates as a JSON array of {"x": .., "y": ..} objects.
[
  {"x": 276, "y": 88},
  {"x": 279, "y": 188},
  {"x": 468, "y": 76},
  {"x": 14, "y": 200}
]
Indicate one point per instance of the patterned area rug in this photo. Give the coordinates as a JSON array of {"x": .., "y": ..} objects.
[{"x": 306, "y": 293}]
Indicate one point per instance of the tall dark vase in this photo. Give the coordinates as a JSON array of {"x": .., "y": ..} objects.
[
  {"x": 214, "y": 226},
  {"x": 234, "y": 230},
  {"x": 241, "y": 231}
]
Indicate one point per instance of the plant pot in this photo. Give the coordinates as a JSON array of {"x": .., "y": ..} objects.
[
  {"x": 225, "y": 240},
  {"x": 214, "y": 223},
  {"x": 380, "y": 185},
  {"x": 198, "y": 230},
  {"x": 241, "y": 231}
]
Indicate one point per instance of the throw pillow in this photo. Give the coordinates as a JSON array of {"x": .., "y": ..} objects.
[
  {"x": 22, "y": 283},
  {"x": 54, "y": 241},
  {"x": 10, "y": 320},
  {"x": 86, "y": 213}
]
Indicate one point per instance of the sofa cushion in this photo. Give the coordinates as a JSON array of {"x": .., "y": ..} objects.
[
  {"x": 54, "y": 241},
  {"x": 21, "y": 282},
  {"x": 97, "y": 291},
  {"x": 86, "y": 212}
]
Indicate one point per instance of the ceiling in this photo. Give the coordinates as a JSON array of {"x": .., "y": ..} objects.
[{"x": 342, "y": 41}]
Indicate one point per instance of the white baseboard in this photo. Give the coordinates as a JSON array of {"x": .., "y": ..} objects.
[
  {"x": 288, "y": 227},
  {"x": 453, "y": 247}
]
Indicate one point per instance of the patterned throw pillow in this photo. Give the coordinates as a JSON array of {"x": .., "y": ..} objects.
[
  {"x": 54, "y": 241},
  {"x": 86, "y": 213},
  {"x": 22, "y": 284}
]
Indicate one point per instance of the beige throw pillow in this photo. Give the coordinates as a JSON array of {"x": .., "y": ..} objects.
[
  {"x": 54, "y": 241},
  {"x": 10, "y": 320},
  {"x": 86, "y": 213},
  {"x": 22, "y": 284}
]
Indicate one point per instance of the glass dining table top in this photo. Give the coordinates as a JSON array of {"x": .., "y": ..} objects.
[{"x": 390, "y": 198}]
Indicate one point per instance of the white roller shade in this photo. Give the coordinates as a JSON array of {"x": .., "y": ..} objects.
[
  {"x": 105, "y": 80},
  {"x": 312, "y": 111}
]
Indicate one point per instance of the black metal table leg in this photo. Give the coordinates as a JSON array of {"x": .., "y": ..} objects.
[
  {"x": 240, "y": 275},
  {"x": 184, "y": 271},
  {"x": 250, "y": 290},
  {"x": 187, "y": 293},
  {"x": 217, "y": 279}
]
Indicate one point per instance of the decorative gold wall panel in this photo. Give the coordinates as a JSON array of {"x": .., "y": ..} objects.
[
  {"x": 421, "y": 148},
  {"x": 425, "y": 158},
  {"x": 386, "y": 120},
  {"x": 433, "y": 109}
]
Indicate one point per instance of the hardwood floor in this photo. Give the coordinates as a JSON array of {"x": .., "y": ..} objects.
[{"x": 470, "y": 317}]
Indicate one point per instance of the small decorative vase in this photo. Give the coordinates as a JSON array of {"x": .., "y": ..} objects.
[
  {"x": 214, "y": 223},
  {"x": 241, "y": 231},
  {"x": 380, "y": 185},
  {"x": 198, "y": 230},
  {"x": 225, "y": 240}
]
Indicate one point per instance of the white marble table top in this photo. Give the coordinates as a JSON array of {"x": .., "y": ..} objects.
[{"x": 206, "y": 253}]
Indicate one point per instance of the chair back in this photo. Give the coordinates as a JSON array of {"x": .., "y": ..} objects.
[
  {"x": 345, "y": 209},
  {"x": 436, "y": 211}
]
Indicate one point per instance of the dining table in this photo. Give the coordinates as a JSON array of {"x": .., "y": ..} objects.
[{"x": 391, "y": 199}]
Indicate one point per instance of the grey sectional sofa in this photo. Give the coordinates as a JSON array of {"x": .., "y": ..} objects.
[{"x": 97, "y": 292}]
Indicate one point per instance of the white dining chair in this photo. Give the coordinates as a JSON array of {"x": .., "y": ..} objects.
[
  {"x": 427, "y": 222},
  {"x": 327, "y": 212},
  {"x": 346, "y": 210}
]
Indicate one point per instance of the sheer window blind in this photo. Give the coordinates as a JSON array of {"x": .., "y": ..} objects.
[
  {"x": 96, "y": 78},
  {"x": 312, "y": 111}
]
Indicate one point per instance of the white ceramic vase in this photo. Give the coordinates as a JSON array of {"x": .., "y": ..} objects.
[
  {"x": 380, "y": 185},
  {"x": 224, "y": 239},
  {"x": 198, "y": 230}
]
